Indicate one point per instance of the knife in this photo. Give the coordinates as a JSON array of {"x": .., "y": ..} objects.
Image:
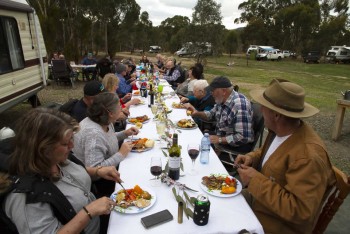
[
  {"x": 232, "y": 164},
  {"x": 190, "y": 189}
]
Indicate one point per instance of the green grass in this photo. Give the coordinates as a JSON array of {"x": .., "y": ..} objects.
[{"x": 322, "y": 82}]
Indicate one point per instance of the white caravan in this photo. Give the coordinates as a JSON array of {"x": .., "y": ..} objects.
[
  {"x": 338, "y": 54},
  {"x": 23, "y": 57}
]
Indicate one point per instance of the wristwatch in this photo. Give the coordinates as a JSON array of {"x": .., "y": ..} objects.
[{"x": 220, "y": 140}]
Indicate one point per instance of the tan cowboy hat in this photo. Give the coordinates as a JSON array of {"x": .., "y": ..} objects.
[{"x": 285, "y": 98}]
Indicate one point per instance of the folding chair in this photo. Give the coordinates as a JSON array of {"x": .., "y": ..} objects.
[
  {"x": 61, "y": 72},
  {"x": 336, "y": 198}
]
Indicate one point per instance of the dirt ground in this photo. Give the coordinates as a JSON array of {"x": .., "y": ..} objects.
[{"x": 339, "y": 151}]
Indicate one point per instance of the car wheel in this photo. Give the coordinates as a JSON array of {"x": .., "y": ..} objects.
[{"x": 279, "y": 58}]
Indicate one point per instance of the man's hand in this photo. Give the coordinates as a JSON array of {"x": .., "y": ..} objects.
[
  {"x": 244, "y": 159},
  {"x": 246, "y": 174},
  {"x": 214, "y": 139}
]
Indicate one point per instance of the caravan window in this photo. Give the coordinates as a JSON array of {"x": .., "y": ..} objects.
[{"x": 11, "y": 54}]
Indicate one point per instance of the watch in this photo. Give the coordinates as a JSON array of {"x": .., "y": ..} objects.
[{"x": 220, "y": 140}]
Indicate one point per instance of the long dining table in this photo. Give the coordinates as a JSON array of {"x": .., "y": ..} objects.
[{"x": 228, "y": 214}]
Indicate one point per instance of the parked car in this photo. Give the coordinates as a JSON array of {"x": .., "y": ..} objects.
[
  {"x": 154, "y": 49},
  {"x": 184, "y": 52},
  {"x": 312, "y": 56},
  {"x": 273, "y": 54}
]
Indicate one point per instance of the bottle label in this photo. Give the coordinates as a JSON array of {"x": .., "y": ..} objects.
[{"x": 174, "y": 162}]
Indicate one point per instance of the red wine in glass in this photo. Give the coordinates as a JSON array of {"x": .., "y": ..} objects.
[
  {"x": 156, "y": 170},
  {"x": 193, "y": 153}
]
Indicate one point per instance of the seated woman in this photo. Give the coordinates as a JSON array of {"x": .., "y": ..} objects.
[
  {"x": 144, "y": 60},
  {"x": 52, "y": 193},
  {"x": 202, "y": 100},
  {"x": 96, "y": 144},
  {"x": 185, "y": 89},
  {"x": 111, "y": 84}
]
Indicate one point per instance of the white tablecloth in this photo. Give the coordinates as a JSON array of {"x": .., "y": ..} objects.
[{"x": 227, "y": 215}]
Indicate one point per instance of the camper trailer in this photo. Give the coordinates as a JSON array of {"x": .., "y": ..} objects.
[
  {"x": 23, "y": 58},
  {"x": 338, "y": 54}
]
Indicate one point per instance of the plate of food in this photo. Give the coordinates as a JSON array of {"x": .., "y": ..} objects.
[
  {"x": 221, "y": 185},
  {"x": 136, "y": 93},
  {"x": 142, "y": 145},
  {"x": 178, "y": 105},
  {"x": 138, "y": 119},
  {"x": 134, "y": 200},
  {"x": 186, "y": 124}
]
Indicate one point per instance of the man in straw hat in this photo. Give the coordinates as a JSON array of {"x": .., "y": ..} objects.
[
  {"x": 233, "y": 115},
  {"x": 289, "y": 178}
]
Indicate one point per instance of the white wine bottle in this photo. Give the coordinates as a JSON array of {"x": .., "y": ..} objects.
[{"x": 174, "y": 159}]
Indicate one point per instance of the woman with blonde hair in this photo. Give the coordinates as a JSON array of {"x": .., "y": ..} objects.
[{"x": 52, "y": 188}]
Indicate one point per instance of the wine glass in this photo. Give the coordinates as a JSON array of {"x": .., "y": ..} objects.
[
  {"x": 193, "y": 152},
  {"x": 156, "y": 170}
]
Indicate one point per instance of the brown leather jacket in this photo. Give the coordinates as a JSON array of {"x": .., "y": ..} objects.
[{"x": 293, "y": 184}]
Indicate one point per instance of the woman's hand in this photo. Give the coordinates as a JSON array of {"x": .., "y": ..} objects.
[
  {"x": 122, "y": 116},
  {"x": 109, "y": 173},
  {"x": 127, "y": 97},
  {"x": 131, "y": 131},
  {"x": 125, "y": 148},
  {"x": 103, "y": 205},
  {"x": 135, "y": 101},
  {"x": 183, "y": 99}
]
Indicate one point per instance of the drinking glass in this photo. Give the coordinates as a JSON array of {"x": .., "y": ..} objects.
[
  {"x": 193, "y": 152},
  {"x": 156, "y": 170},
  {"x": 154, "y": 109},
  {"x": 160, "y": 125},
  {"x": 160, "y": 88}
]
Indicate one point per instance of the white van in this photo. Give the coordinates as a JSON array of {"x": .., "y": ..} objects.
[
  {"x": 338, "y": 54},
  {"x": 23, "y": 57}
]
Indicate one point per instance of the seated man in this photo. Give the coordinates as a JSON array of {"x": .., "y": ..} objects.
[
  {"x": 290, "y": 177},
  {"x": 89, "y": 60},
  {"x": 125, "y": 86},
  {"x": 173, "y": 73},
  {"x": 233, "y": 115},
  {"x": 91, "y": 89},
  {"x": 202, "y": 100},
  {"x": 104, "y": 66}
]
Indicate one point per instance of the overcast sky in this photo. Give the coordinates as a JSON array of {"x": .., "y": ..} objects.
[{"x": 159, "y": 10}]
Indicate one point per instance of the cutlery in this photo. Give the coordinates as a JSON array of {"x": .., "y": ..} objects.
[
  {"x": 232, "y": 164},
  {"x": 124, "y": 189},
  {"x": 191, "y": 189}
]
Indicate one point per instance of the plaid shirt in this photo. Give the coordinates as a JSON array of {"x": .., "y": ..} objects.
[{"x": 234, "y": 119}]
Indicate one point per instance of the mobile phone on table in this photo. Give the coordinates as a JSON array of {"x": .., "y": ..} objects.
[{"x": 156, "y": 218}]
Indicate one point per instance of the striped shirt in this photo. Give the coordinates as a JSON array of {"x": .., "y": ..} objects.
[{"x": 234, "y": 119}]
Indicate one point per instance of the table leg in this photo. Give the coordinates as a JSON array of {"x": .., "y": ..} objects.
[{"x": 338, "y": 122}]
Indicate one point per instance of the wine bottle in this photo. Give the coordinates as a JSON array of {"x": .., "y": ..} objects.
[
  {"x": 174, "y": 159},
  {"x": 150, "y": 96}
]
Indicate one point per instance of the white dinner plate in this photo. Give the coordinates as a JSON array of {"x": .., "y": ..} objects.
[
  {"x": 217, "y": 193},
  {"x": 134, "y": 209}
]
